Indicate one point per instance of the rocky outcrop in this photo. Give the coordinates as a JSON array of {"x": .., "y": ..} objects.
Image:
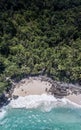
[
  {"x": 3, "y": 100},
  {"x": 6, "y": 96},
  {"x": 60, "y": 90}
]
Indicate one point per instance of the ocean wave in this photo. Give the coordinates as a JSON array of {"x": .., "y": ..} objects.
[
  {"x": 44, "y": 102},
  {"x": 2, "y": 113}
]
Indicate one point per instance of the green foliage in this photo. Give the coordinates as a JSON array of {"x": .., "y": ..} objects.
[{"x": 40, "y": 37}]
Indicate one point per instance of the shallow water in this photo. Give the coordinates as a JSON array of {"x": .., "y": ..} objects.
[{"x": 39, "y": 118}]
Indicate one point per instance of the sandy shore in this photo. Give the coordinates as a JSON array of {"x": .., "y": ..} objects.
[
  {"x": 32, "y": 86},
  {"x": 74, "y": 98}
]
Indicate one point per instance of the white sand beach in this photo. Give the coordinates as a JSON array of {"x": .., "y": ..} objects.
[
  {"x": 31, "y": 86},
  {"x": 35, "y": 86}
]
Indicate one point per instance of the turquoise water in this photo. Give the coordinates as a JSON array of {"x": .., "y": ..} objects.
[{"x": 59, "y": 118}]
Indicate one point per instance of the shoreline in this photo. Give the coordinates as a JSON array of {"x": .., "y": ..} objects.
[
  {"x": 74, "y": 98},
  {"x": 43, "y": 85}
]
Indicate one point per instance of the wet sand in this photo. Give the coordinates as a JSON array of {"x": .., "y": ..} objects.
[{"x": 74, "y": 98}]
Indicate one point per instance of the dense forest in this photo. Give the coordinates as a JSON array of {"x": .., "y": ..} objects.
[{"x": 40, "y": 37}]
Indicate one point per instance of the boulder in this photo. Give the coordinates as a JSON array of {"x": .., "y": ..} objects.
[{"x": 15, "y": 97}]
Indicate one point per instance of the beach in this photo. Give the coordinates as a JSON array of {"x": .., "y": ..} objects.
[
  {"x": 31, "y": 86},
  {"x": 37, "y": 86},
  {"x": 32, "y": 106}
]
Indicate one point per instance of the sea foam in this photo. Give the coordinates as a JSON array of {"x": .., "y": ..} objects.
[
  {"x": 2, "y": 113},
  {"x": 44, "y": 102}
]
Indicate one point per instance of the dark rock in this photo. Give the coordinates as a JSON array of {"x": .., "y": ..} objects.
[
  {"x": 3, "y": 100},
  {"x": 15, "y": 97}
]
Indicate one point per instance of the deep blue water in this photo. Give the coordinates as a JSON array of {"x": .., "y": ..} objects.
[{"x": 59, "y": 118}]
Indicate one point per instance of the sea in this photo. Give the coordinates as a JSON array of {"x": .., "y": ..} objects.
[{"x": 40, "y": 112}]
